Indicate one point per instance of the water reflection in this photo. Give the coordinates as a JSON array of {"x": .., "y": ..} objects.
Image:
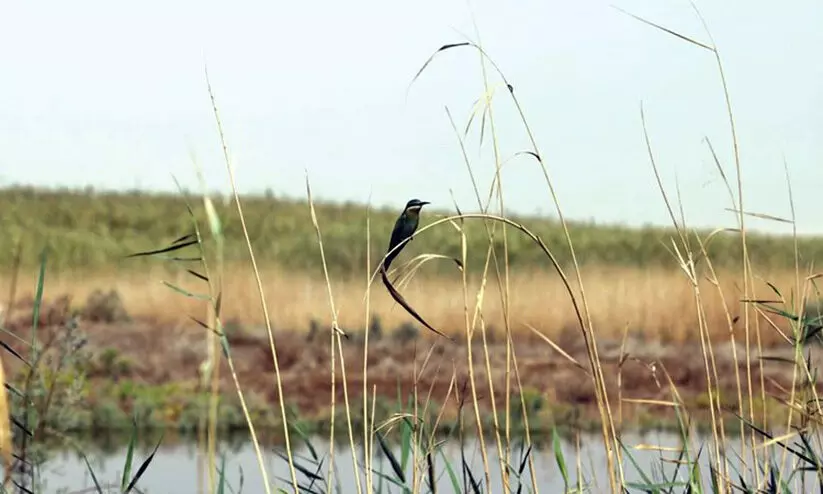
[{"x": 176, "y": 466}]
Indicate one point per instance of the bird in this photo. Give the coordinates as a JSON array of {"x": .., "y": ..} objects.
[{"x": 404, "y": 228}]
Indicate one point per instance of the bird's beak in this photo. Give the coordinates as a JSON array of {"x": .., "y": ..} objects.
[{"x": 423, "y": 203}]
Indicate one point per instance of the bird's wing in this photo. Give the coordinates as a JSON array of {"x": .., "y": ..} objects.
[{"x": 397, "y": 236}]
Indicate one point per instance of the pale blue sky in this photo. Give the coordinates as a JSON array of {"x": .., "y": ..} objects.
[{"x": 112, "y": 94}]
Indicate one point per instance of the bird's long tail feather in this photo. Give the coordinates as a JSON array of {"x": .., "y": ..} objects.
[{"x": 402, "y": 301}]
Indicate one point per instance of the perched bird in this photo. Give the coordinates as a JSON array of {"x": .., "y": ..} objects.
[{"x": 404, "y": 228}]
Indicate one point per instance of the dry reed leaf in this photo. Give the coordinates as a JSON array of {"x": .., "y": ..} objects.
[
  {"x": 388, "y": 424},
  {"x": 673, "y": 33},
  {"x": 761, "y": 216},
  {"x": 675, "y": 461},
  {"x": 775, "y": 440},
  {"x": 651, "y": 402},
  {"x": 558, "y": 349},
  {"x": 654, "y": 447},
  {"x": 5, "y": 427},
  {"x": 408, "y": 269}
]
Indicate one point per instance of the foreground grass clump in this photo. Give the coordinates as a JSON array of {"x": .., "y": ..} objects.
[{"x": 90, "y": 230}]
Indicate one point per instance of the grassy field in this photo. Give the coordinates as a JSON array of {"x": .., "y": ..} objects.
[
  {"x": 88, "y": 230},
  {"x": 630, "y": 277}
]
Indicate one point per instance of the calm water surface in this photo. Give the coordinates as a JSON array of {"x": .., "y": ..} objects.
[{"x": 175, "y": 468}]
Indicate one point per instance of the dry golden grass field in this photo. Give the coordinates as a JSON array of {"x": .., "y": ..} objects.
[{"x": 654, "y": 303}]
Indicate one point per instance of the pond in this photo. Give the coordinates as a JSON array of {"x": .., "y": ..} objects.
[{"x": 175, "y": 467}]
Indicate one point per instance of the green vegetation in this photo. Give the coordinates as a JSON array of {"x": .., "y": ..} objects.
[{"x": 94, "y": 230}]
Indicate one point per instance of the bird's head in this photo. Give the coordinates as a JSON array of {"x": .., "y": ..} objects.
[{"x": 414, "y": 205}]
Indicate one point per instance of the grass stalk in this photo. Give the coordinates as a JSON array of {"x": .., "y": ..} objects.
[
  {"x": 744, "y": 245},
  {"x": 470, "y": 358},
  {"x": 336, "y": 338},
  {"x": 687, "y": 262},
  {"x": 613, "y": 456},
  {"x": 263, "y": 305},
  {"x": 368, "y": 443},
  {"x": 214, "y": 370},
  {"x": 504, "y": 450}
]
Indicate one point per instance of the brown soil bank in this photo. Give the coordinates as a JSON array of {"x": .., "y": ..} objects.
[{"x": 148, "y": 354}]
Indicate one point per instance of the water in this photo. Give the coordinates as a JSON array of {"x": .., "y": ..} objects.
[{"x": 175, "y": 467}]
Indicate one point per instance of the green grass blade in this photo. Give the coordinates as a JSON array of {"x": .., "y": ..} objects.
[
  {"x": 221, "y": 480},
  {"x": 129, "y": 455},
  {"x": 561, "y": 461},
  {"x": 309, "y": 473},
  {"x": 197, "y": 275},
  {"x": 696, "y": 478},
  {"x": 450, "y": 471},
  {"x": 14, "y": 352},
  {"x": 91, "y": 472},
  {"x": 432, "y": 479},
  {"x": 405, "y": 444},
  {"x": 476, "y": 488},
  {"x": 170, "y": 248},
  {"x": 198, "y": 296},
  {"x": 143, "y": 467},
  {"x": 395, "y": 465},
  {"x": 405, "y": 438},
  {"x": 38, "y": 299},
  {"x": 305, "y": 438},
  {"x": 380, "y": 476},
  {"x": 647, "y": 484},
  {"x": 224, "y": 345}
]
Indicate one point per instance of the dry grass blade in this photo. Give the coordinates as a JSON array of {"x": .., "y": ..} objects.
[
  {"x": 410, "y": 267},
  {"x": 720, "y": 170},
  {"x": 761, "y": 216},
  {"x": 449, "y": 46},
  {"x": 655, "y": 447},
  {"x": 777, "y": 440},
  {"x": 667, "y": 30},
  {"x": 644, "y": 401},
  {"x": 783, "y": 360},
  {"x": 263, "y": 305},
  {"x": 706, "y": 241},
  {"x": 559, "y": 350},
  {"x": 677, "y": 226},
  {"x": 335, "y": 337},
  {"x": 5, "y": 429},
  {"x": 439, "y": 50}
]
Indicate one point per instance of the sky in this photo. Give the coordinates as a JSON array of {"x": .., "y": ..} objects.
[{"x": 113, "y": 95}]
